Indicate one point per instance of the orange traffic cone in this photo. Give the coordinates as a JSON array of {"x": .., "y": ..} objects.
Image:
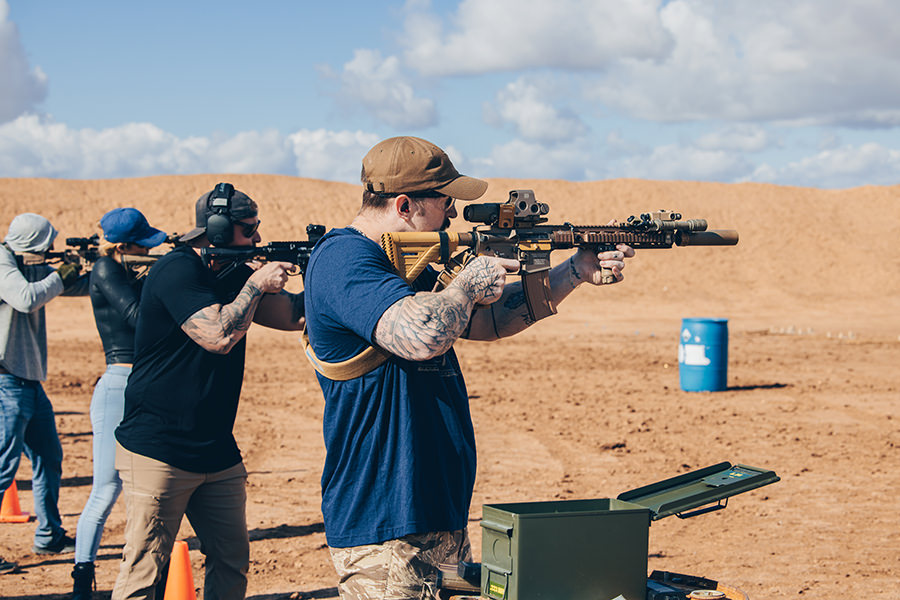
[
  {"x": 180, "y": 584},
  {"x": 10, "y": 512}
]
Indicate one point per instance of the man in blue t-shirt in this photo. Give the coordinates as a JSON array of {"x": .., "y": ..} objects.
[{"x": 400, "y": 464}]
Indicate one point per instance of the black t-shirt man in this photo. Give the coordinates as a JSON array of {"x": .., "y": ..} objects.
[
  {"x": 177, "y": 456},
  {"x": 181, "y": 400}
]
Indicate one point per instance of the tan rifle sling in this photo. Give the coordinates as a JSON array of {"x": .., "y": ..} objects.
[{"x": 366, "y": 361}]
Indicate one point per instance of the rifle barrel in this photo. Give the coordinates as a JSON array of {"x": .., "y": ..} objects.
[{"x": 715, "y": 237}]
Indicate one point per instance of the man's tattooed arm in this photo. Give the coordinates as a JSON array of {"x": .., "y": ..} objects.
[
  {"x": 218, "y": 328},
  {"x": 425, "y": 325},
  {"x": 509, "y": 315}
]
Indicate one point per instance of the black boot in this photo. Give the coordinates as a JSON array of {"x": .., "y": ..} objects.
[{"x": 83, "y": 574}]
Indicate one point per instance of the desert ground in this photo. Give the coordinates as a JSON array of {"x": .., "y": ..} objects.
[{"x": 585, "y": 404}]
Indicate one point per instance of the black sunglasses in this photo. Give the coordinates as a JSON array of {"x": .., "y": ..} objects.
[
  {"x": 248, "y": 229},
  {"x": 448, "y": 200}
]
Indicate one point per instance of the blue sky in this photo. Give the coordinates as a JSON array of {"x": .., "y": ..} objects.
[{"x": 803, "y": 93}]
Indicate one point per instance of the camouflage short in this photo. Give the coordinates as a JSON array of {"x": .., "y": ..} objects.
[{"x": 401, "y": 569}]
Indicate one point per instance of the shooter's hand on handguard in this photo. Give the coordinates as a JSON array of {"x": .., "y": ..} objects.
[
  {"x": 484, "y": 277},
  {"x": 68, "y": 272},
  {"x": 590, "y": 267}
]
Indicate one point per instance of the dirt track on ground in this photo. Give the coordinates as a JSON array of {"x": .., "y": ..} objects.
[{"x": 585, "y": 404}]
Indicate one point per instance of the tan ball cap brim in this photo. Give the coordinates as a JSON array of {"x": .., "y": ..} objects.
[{"x": 464, "y": 188}]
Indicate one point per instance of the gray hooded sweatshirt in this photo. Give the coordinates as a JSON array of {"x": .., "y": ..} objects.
[{"x": 24, "y": 290}]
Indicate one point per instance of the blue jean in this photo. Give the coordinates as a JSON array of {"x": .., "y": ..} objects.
[
  {"x": 107, "y": 408},
  {"x": 27, "y": 423}
]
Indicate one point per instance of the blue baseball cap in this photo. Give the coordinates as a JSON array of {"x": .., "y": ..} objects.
[{"x": 129, "y": 226}]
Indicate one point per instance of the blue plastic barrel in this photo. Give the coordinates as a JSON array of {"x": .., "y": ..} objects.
[{"x": 703, "y": 355}]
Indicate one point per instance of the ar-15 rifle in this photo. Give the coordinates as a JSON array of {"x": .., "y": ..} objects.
[
  {"x": 516, "y": 229},
  {"x": 85, "y": 251},
  {"x": 295, "y": 252},
  {"x": 82, "y": 251}
]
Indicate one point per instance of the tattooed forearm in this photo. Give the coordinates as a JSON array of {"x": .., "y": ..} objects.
[
  {"x": 425, "y": 325},
  {"x": 506, "y": 317},
  {"x": 237, "y": 316},
  {"x": 574, "y": 278},
  {"x": 510, "y": 314},
  {"x": 218, "y": 328}
]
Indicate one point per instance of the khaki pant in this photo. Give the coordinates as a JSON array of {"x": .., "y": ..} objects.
[
  {"x": 157, "y": 496},
  {"x": 401, "y": 569}
]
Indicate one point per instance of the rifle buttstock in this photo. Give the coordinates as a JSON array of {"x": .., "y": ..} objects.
[{"x": 411, "y": 251}]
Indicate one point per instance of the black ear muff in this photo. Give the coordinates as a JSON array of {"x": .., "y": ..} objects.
[{"x": 219, "y": 228}]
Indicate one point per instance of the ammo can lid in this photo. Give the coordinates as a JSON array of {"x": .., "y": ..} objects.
[{"x": 698, "y": 488}]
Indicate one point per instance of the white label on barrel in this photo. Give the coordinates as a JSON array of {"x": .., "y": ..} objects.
[
  {"x": 693, "y": 354},
  {"x": 686, "y": 336}
]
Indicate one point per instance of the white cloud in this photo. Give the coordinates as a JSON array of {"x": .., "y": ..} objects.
[
  {"x": 618, "y": 145},
  {"x": 529, "y": 160},
  {"x": 379, "y": 86},
  {"x": 21, "y": 87},
  {"x": 678, "y": 162},
  {"x": 814, "y": 61},
  {"x": 525, "y": 106},
  {"x": 822, "y": 62},
  {"x": 847, "y": 166},
  {"x": 331, "y": 155},
  {"x": 503, "y": 35},
  {"x": 33, "y": 146},
  {"x": 740, "y": 137},
  {"x": 251, "y": 152}
]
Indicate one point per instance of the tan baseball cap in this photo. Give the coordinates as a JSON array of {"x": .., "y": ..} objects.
[{"x": 403, "y": 165}]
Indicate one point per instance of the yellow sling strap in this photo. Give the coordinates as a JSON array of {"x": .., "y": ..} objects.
[{"x": 367, "y": 360}]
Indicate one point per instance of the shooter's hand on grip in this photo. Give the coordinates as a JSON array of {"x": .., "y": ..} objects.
[
  {"x": 272, "y": 276},
  {"x": 484, "y": 278}
]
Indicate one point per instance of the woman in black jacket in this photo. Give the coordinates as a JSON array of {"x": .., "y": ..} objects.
[{"x": 115, "y": 295}]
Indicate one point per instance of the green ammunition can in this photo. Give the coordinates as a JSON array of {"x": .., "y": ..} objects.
[
  {"x": 574, "y": 549},
  {"x": 595, "y": 549}
]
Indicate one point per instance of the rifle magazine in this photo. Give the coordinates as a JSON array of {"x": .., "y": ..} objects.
[{"x": 538, "y": 298}]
